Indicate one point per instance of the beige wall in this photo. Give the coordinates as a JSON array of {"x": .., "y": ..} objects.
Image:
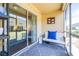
[
  {"x": 0, "y": 23},
  {"x": 0, "y": 39},
  {"x": 58, "y": 26}
]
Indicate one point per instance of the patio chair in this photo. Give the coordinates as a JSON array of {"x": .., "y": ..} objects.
[{"x": 52, "y": 36}]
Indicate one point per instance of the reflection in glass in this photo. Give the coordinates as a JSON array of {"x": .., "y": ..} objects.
[
  {"x": 17, "y": 27},
  {"x": 31, "y": 25},
  {"x": 21, "y": 22}
]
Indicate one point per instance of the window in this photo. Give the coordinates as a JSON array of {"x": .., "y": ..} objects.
[
  {"x": 75, "y": 28},
  {"x": 72, "y": 33}
]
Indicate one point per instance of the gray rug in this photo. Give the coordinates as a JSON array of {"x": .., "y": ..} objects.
[{"x": 46, "y": 49}]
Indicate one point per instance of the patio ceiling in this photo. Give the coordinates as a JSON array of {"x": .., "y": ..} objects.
[{"x": 48, "y": 7}]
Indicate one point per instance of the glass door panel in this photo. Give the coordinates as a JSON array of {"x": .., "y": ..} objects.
[
  {"x": 31, "y": 25},
  {"x": 34, "y": 29},
  {"x": 12, "y": 32},
  {"x": 18, "y": 39},
  {"x": 21, "y": 22}
]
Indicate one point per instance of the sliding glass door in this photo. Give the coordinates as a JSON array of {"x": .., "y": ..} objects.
[
  {"x": 23, "y": 31},
  {"x": 20, "y": 27},
  {"x": 17, "y": 26},
  {"x": 32, "y": 28}
]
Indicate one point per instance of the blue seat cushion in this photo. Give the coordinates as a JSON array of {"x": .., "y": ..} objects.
[{"x": 52, "y": 35}]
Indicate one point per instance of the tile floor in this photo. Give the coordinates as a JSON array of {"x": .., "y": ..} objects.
[{"x": 46, "y": 49}]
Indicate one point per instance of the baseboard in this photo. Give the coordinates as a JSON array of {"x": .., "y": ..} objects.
[{"x": 24, "y": 49}]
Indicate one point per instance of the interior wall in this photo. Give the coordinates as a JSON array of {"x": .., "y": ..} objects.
[
  {"x": 0, "y": 39},
  {"x": 30, "y": 7},
  {"x": 59, "y": 22},
  {"x": 0, "y": 23}
]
